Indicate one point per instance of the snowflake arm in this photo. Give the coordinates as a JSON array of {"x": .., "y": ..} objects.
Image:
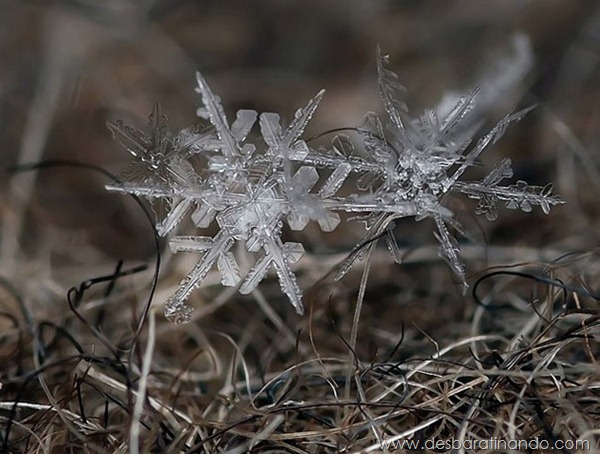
[
  {"x": 148, "y": 146},
  {"x": 490, "y": 138},
  {"x": 280, "y": 256},
  {"x": 214, "y": 249},
  {"x": 287, "y": 146},
  {"x": 449, "y": 249},
  {"x": 229, "y": 137},
  {"x": 392, "y": 92}
]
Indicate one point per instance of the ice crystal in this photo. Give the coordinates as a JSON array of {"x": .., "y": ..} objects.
[{"x": 404, "y": 167}]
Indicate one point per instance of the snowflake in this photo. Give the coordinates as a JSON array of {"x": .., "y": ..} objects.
[{"x": 250, "y": 189}]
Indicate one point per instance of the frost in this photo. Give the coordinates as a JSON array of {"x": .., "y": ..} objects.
[{"x": 249, "y": 186}]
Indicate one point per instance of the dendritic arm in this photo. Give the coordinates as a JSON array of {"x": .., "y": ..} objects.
[
  {"x": 213, "y": 110},
  {"x": 449, "y": 249},
  {"x": 176, "y": 309},
  {"x": 489, "y": 139},
  {"x": 392, "y": 92},
  {"x": 280, "y": 256}
]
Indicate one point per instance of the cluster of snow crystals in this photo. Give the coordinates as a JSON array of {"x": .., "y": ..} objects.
[{"x": 404, "y": 168}]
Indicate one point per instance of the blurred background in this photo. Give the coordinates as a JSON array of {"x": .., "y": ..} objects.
[{"x": 69, "y": 66}]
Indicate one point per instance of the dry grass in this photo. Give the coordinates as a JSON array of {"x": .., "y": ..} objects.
[{"x": 520, "y": 363}]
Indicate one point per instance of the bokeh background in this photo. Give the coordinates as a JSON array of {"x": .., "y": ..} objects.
[{"x": 69, "y": 66}]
